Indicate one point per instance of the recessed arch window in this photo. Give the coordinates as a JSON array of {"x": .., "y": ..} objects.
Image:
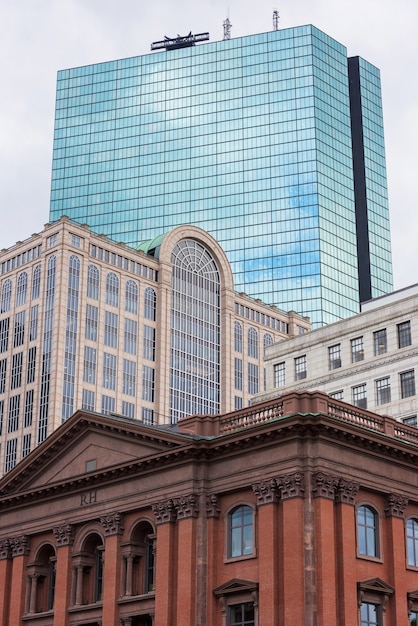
[
  {"x": 367, "y": 531},
  {"x": 240, "y": 531},
  {"x": 252, "y": 343},
  {"x": 150, "y": 304},
  {"x": 131, "y": 297},
  {"x": 41, "y": 581},
  {"x": 93, "y": 282},
  {"x": 36, "y": 282},
  {"x": 89, "y": 566},
  {"x": 6, "y": 295},
  {"x": 412, "y": 541},
  {"x": 21, "y": 288},
  {"x": 112, "y": 289},
  {"x": 267, "y": 340},
  {"x": 138, "y": 561},
  {"x": 238, "y": 337}
]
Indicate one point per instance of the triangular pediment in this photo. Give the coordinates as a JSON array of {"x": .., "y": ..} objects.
[
  {"x": 376, "y": 585},
  {"x": 86, "y": 446},
  {"x": 235, "y": 585}
]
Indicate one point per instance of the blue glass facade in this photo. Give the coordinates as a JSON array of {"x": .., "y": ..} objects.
[{"x": 250, "y": 139}]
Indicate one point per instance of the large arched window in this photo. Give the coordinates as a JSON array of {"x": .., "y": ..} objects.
[
  {"x": 93, "y": 282},
  {"x": 88, "y": 564},
  {"x": 412, "y": 541},
  {"x": 112, "y": 289},
  {"x": 6, "y": 295},
  {"x": 252, "y": 343},
  {"x": 41, "y": 581},
  {"x": 240, "y": 531},
  {"x": 195, "y": 331},
  {"x": 367, "y": 531},
  {"x": 138, "y": 561},
  {"x": 131, "y": 297},
  {"x": 21, "y": 289}
]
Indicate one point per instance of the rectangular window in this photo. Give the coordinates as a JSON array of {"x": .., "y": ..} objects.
[
  {"x": 90, "y": 360},
  {"x": 28, "y": 408},
  {"x": 357, "y": 350},
  {"x": 147, "y": 416},
  {"x": 3, "y": 373},
  {"x": 241, "y": 614},
  {"x": 16, "y": 375},
  {"x": 337, "y": 395},
  {"x": 360, "y": 396},
  {"x": 334, "y": 357},
  {"x": 410, "y": 421},
  {"x": 92, "y": 319},
  {"x": 300, "y": 367},
  {"x": 407, "y": 380},
  {"x": 111, "y": 330},
  {"x": 128, "y": 409},
  {"x": 108, "y": 405},
  {"x": 4, "y": 334},
  {"x": 237, "y": 402},
  {"x": 33, "y": 323},
  {"x": 129, "y": 378},
  {"x": 87, "y": 400},
  {"x": 380, "y": 342},
  {"x": 31, "y": 369},
  {"x": 76, "y": 241},
  {"x": 149, "y": 343},
  {"x": 11, "y": 455},
  {"x": 280, "y": 375},
  {"x": 19, "y": 330},
  {"x": 14, "y": 410},
  {"x": 109, "y": 371},
  {"x": 130, "y": 337},
  {"x": 252, "y": 378},
  {"x": 148, "y": 383},
  {"x": 383, "y": 391},
  {"x": 238, "y": 374},
  {"x": 26, "y": 445},
  {"x": 404, "y": 334},
  {"x": 370, "y": 614}
]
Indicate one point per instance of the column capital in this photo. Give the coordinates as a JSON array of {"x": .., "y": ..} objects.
[
  {"x": 395, "y": 505},
  {"x": 291, "y": 485},
  {"x": 186, "y": 506},
  {"x": 324, "y": 485},
  {"x": 19, "y": 545},
  {"x": 5, "y": 549},
  {"x": 164, "y": 511},
  {"x": 346, "y": 491},
  {"x": 212, "y": 506},
  {"x": 266, "y": 491},
  {"x": 64, "y": 535},
  {"x": 112, "y": 524}
]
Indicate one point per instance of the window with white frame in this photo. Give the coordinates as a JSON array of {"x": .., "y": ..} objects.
[
  {"x": 300, "y": 367},
  {"x": 334, "y": 357},
  {"x": 380, "y": 342},
  {"x": 280, "y": 374},
  {"x": 357, "y": 350}
]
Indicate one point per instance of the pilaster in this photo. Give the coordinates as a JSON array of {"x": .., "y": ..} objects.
[
  {"x": 113, "y": 528},
  {"x": 64, "y": 536}
]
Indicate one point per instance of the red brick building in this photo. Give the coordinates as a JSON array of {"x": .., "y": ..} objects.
[{"x": 302, "y": 510}]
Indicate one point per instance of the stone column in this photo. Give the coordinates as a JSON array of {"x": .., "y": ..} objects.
[
  {"x": 345, "y": 494},
  {"x": 5, "y": 580},
  {"x": 113, "y": 528},
  {"x": 64, "y": 536},
  {"x": 187, "y": 511},
  {"x": 165, "y": 583},
  {"x": 20, "y": 550},
  {"x": 291, "y": 550},
  {"x": 267, "y": 552},
  {"x": 323, "y": 492},
  {"x": 395, "y": 531}
]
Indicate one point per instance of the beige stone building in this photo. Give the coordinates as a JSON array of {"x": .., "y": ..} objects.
[
  {"x": 152, "y": 334},
  {"x": 369, "y": 359}
]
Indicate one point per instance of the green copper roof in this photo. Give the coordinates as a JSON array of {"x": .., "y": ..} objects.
[{"x": 152, "y": 246}]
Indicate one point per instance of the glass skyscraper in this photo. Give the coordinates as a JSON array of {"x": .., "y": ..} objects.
[{"x": 273, "y": 143}]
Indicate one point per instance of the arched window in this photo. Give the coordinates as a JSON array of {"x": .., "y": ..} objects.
[
  {"x": 267, "y": 340},
  {"x": 138, "y": 561},
  {"x": 252, "y": 343},
  {"x": 150, "y": 302},
  {"x": 112, "y": 289},
  {"x": 93, "y": 282},
  {"x": 6, "y": 295},
  {"x": 367, "y": 531},
  {"x": 131, "y": 297},
  {"x": 89, "y": 567},
  {"x": 21, "y": 288},
  {"x": 41, "y": 580},
  {"x": 240, "y": 531},
  {"x": 36, "y": 282},
  {"x": 237, "y": 337},
  {"x": 412, "y": 541}
]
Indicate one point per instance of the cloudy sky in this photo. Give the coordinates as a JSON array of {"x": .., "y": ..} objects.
[{"x": 39, "y": 37}]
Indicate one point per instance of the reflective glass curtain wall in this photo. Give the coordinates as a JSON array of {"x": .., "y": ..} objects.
[{"x": 249, "y": 138}]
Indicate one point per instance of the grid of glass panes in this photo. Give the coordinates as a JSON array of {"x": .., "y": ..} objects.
[
  {"x": 357, "y": 350},
  {"x": 252, "y": 378},
  {"x": 71, "y": 336},
  {"x": 360, "y": 396},
  {"x": 383, "y": 394},
  {"x": 404, "y": 334},
  {"x": 334, "y": 356},
  {"x": 407, "y": 380},
  {"x": 380, "y": 343},
  {"x": 300, "y": 367},
  {"x": 47, "y": 349},
  {"x": 129, "y": 378},
  {"x": 280, "y": 374}
]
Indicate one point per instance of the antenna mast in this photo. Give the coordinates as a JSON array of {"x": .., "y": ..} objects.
[
  {"x": 227, "y": 29},
  {"x": 275, "y": 19}
]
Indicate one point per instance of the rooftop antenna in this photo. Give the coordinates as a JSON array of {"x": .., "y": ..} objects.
[
  {"x": 275, "y": 19},
  {"x": 227, "y": 29}
]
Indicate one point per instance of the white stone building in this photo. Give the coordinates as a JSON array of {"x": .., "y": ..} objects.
[
  {"x": 369, "y": 359},
  {"x": 152, "y": 334}
]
